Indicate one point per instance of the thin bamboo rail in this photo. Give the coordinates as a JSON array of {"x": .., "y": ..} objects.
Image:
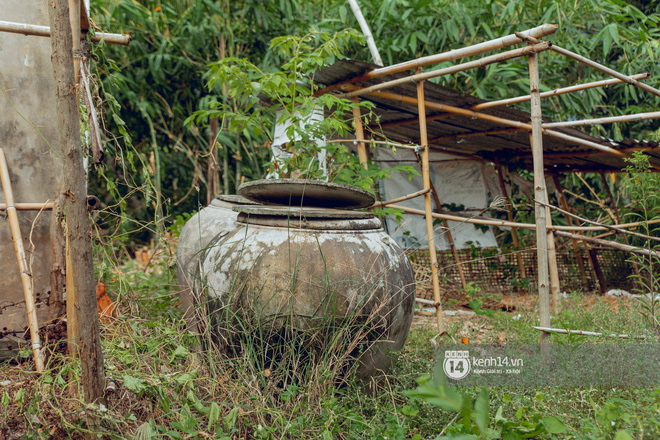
[
  {"x": 585, "y": 333},
  {"x": 522, "y": 125},
  {"x": 29, "y": 206},
  {"x": 606, "y": 70},
  {"x": 509, "y": 101},
  {"x": 611, "y": 244},
  {"x": 26, "y": 277},
  {"x": 371, "y": 141},
  {"x": 452, "y": 55},
  {"x": 400, "y": 199},
  {"x": 536, "y": 141},
  {"x": 515, "y": 53},
  {"x": 507, "y": 224},
  {"x": 607, "y": 120},
  {"x": 44, "y": 31},
  {"x": 427, "y": 205}
]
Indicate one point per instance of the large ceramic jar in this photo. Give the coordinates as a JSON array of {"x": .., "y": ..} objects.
[
  {"x": 195, "y": 236},
  {"x": 302, "y": 267}
]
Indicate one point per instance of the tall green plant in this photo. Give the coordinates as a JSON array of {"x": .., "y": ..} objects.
[{"x": 643, "y": 188}]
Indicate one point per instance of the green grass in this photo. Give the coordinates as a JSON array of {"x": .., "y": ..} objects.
[{"x": 168, "y": 387}]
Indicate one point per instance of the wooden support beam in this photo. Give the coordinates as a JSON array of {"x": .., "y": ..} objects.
[
  {"x": 607, "y": 70},
  {"x": 514, "y": 231},
  {"x": 400, "y": 199},
  {"x": 536, "y": 141},
  {"x": 427, "y": 205},
  {"x": 44, "y": 31},
  {"x": 553, "y": 269},
  {"x": 607, "y": 120},
  {"x": 423, "y": 76},
  {"x": 452, "y": 55},
  {"x": 359, "y": 133},
  {"x": 509, "y": 101},
  {"x": 23, "y": 267}
]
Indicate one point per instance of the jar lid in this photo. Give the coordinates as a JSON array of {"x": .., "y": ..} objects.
[
  {"x": 306, "y": 218},
  {"x": 306, "y": 193},
  {"x": 236, "y": 199}
]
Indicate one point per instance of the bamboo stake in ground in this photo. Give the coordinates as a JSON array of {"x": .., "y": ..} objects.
[
  {"x": 359, "y": 133},
  {"x": 74, "y": 204},
  {"x": 536, "y": 141},
  {"x": 26, "y": 277},
  {"x": 514, "y": 231},
  {"x": 552, "y": 260},
  {"x": 427, "y": 205},
  {"x": 576, "y": 246}
]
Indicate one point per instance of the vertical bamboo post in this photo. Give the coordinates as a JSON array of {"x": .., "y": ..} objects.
[
  {"x": 616, "y": 213},
  {"x": 552, "y": 259},
  {"x": 359, "y": 133},
  {"x": 536, "y": 140},
  {"x": 74, "y": 16},
  {"x": 421, "y": 108},
  {"x": 574, "y": 243},
  {"x": 26, "y": 277},
  {"x": 514, "y": 231}
]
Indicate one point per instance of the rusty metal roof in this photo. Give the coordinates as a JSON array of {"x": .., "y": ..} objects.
[{"x": 509, "y": 148}]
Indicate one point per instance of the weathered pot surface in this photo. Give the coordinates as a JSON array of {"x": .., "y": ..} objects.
[
  {"x": 195, "y": 236},
  {"x": 305, "y": 267}
]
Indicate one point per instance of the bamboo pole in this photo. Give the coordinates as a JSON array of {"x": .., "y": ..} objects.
[
  {"x": 26, "y": 276},
  {"x": 369, "y": 38},
  {"x": 514, "y": 232},
  {"x": 452, "y": 55},
  {"x": 574, "y": 243},
  {"x": 607, "y": 120},
  {"x": 74, "y": 17},
  {"x": 359, "y": 133},
  {"x": 427, "y": 205},
  {"x": 553, "y": 269},
  {"x": 522, "y": 125},
  {"x": 44, "y": 31},
  {"x": 509, "y": 101},
  {"x": 560, "y": 91},
  {"x": 536, "y": 141},
  {"x": 610, "y": 244},
  {"x": 613, "y": 228},
  {"x": 585, "y": 333},
  {"x": 422, "y": 76},
  {"x": 400, "y": 199},
  {"x": 29, "y": 206},
  {"x": 606, "y": 70},
  {"x": 507, "y": 224}
]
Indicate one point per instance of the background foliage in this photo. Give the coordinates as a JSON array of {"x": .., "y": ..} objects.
[{"x": 158, "y": 81}]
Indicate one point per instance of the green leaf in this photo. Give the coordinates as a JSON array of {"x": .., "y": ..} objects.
[
  {"x": 229, "y": 421},
  {"x": 554, "y": 425},
  {"x": 138, "y": 386},
  {"x": 481, "y": 411},
  {"x": 622, "y": 435},
  {"x": 214, "y": 415}
]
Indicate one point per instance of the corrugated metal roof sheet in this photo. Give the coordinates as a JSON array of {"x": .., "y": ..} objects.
[{"x": 511, "y": 148}]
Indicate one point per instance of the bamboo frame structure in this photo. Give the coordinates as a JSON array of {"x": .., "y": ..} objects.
[
  {"x": 536, "y": 141},
  {"x": 44, "y": 31},
  {"x": 427, "y": 206},
  {"x": 26, "y": 277},
  {"x": 359, "y": 133}
]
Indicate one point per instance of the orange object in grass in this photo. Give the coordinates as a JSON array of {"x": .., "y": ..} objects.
[{"x": 106, "y": 308}]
